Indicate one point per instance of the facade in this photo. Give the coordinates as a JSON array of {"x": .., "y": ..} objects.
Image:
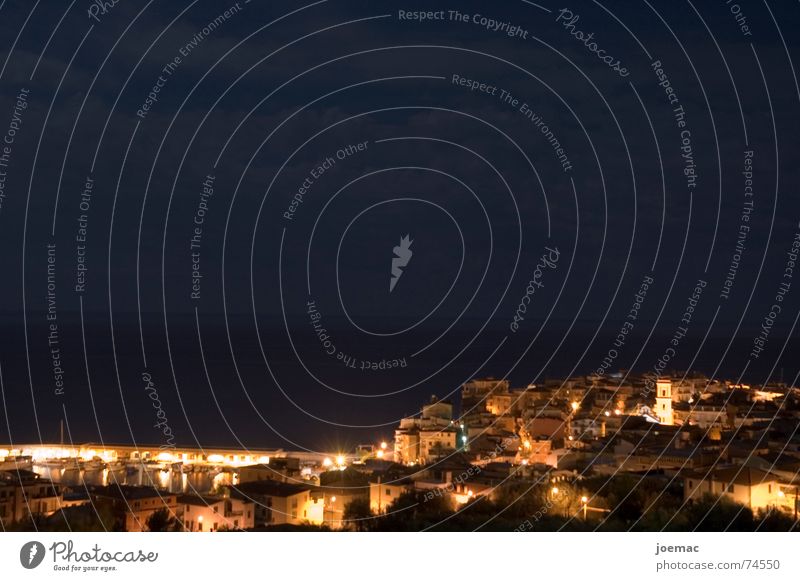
[
  {"x": 406, "y": 445},
  {"x": 215, "y": 513},
  {"x": 523, "y": 401},
  {"x": 436, "y": 443},
  {"x": 536, "y": 451},
  {"x": 756, "y": 489},
  {"x": 280, "y": 469},
  {"x": 281, "y": 503},
  {"x": 664, "y": 402},
  {"x": 383, "y": 494},
  {"x": 24, "y": 493},
  {"x": 431, "y": 436},
  {"x": 339, "y": 488},
  {"x": 705, "y": 415},
  {"x": 478, "y": 389},
  {"x": 134, "y": 504}
]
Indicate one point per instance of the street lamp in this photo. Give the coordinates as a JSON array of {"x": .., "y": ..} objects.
[{"x": 585, "y": 502}]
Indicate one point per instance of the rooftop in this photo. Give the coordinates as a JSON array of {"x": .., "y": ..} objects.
[{"x": 270, "y": 488}]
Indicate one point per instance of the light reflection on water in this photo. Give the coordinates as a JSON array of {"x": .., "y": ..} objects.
[{"x": 173, "y": 480}]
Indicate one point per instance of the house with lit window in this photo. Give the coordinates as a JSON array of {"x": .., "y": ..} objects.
[
  {"x": 754, "y": 488},
  {"x": 337, "y": 489},
  {"x": 215, "y": 513},
  {"x": 280, "y": 503},
  {"x": 384, "y": 490}
]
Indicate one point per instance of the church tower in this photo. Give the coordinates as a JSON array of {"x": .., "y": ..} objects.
[{"x": 664, "y": 401}]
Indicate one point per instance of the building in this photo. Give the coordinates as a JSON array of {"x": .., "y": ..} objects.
[
  {"x": 438, "y": 409},
  {"x": 433, "y": 435},
  {"x": 338, "y": 488},
  {"x": 383, "y": 494},
  {"x": 536, "y": 451},
  {"x": 489, "y": 396},
  {"x": 524, "y": 401},
  {"x": 544, "y": 427},
  {"x": 280, "y": 503},
  {"x": 280, "y": 469},
  {"x": 24, "y": 494},
  {"x": 15, "y": 461},
  {"x": 23, "y": 455},
  {"x": 456, "y": 480},
  {"x": 664, "y": 401},
  {"x": 406, "y": 445},
  {"x": 479, "y": 389},
  {"x": 215, "y": 513},
  {"x": 133, "y": 505},
  {"x": 436, "y": 443},
  {"x": 714, "y": 412},
  {"x": 754, "y": 488}
]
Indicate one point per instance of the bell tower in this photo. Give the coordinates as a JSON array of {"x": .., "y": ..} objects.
[{"x": 664, "y": 401}]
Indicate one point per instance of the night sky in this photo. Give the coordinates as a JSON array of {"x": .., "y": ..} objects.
[{"x": 202, "y": 200}]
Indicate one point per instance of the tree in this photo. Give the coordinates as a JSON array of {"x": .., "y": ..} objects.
[
  {"x": 161, "y": 521},
  {"x": 357, "y": 514},
  {"x": 775, "y": 521},
  {"x": 413, "y": 510},
  {"x": 519, "y": 500},
  {"x": 714, "y": 514}
]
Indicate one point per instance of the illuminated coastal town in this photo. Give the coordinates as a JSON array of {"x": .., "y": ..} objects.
[{"x": 619, "y": 452}]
